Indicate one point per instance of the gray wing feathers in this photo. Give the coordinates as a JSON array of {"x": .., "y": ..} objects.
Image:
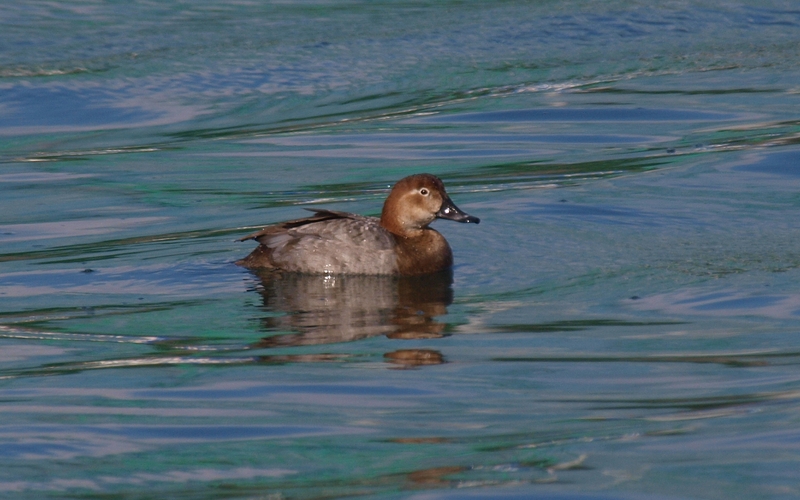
[{"x": 329, "y": 241}]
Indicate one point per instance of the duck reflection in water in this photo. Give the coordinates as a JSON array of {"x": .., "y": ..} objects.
[{"x": 328, "y": 309}]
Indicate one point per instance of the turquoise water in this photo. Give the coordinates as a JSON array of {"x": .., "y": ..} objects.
[{"x": 623, "y": 324}]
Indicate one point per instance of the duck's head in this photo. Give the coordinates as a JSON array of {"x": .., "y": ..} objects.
[{"x": 415, "y": 201}]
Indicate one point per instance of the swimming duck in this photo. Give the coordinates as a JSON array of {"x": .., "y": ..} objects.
[{"x": 399, "y": 242}]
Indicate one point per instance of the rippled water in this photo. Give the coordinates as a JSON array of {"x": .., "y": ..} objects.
[{"x": 622, "y": 324}]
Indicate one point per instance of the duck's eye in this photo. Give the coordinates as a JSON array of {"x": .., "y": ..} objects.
[{"x": 423, "y": 192}]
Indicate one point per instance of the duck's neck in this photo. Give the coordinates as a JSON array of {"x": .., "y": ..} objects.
[
  {"x": 425, "y": 252},
  {"x": 396, "y": 227}
]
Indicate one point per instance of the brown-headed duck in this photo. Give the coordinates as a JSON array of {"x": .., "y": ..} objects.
[{"x": 332, "y": 242}]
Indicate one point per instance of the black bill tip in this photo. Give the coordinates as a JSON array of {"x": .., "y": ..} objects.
[{"x": 451, "y": 212}]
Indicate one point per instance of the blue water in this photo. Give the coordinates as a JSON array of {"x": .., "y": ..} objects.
[{"x": 623, "y": 324}]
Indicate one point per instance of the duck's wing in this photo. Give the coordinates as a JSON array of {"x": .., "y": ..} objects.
[
  {"x": 282, "y": 227},
  {"x": 328, "y": 241}
]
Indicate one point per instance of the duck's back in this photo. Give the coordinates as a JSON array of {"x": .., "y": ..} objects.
[{"x": 328, "y": 242}]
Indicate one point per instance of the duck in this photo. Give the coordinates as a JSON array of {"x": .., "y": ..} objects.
[{"x": 400, "y": 242}]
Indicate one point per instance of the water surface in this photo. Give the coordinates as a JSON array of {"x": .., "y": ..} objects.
[{"x": 622, "y": 324}]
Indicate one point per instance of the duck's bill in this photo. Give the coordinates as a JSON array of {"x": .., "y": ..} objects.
[{"x": 450, "y": 211}]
